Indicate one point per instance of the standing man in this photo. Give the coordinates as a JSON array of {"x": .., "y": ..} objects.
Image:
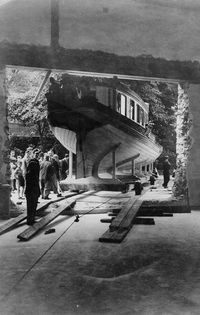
[
  {"x": 46, "y": 173},
  {"x": 32, "y": 188},
  {"x": 64, "y": 167},
  {"x": 166, "y": 171}
]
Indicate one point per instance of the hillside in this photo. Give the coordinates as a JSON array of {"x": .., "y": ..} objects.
[{"x": 98, "y": 61}]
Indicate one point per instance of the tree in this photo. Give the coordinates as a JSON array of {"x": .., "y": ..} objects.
[
  {"x": 22, "y": 86},
  {"x": 162, "y": 99}
]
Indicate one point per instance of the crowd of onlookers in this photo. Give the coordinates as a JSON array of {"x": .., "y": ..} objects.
[{"x": 52, "y": 170}]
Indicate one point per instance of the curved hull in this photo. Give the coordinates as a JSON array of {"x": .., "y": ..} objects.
[{"x": 102, "y": 138}]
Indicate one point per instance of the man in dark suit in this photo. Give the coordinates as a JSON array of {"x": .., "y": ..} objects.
[
  {"x": 32, "y": 188},
  {"x": 166, "y": 171},
  {"x": 64, "y": 167}
]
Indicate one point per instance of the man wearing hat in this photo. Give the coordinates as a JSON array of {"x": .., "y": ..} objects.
[
  {"x": 166, "y": 171},
  {"x": 32, "y": 188}
]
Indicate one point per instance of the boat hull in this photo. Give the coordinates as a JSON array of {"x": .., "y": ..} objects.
[{"x": 103, "y": 139}]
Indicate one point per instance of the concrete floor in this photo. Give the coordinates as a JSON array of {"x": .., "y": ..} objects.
[{"x": 154, "y": 271}]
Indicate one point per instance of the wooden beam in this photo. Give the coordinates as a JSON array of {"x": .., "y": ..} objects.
[
  {"x": 32, "y": 230},
  {"x": 70, "y": 164},
  {"x": 15, "y": 221},
  {"x": 101, "y": 74},
  {"x": 133, "y": 167},
  {"x": 127, "y": 215},
  {"x": 144, "y": 221},
  {"x": 113, "y": 164},
  {"x": 113, "y": 236},
  {"x": 128, "y": 160},
  {"x": 132, "y": 205},
  {"x": 122, "y": 224},
  {"x": 35, "y": 228},
  {"x": 42, "y": 85},
  {"x": 54, "y": 24},
  {"x": 106, "y": 220}
]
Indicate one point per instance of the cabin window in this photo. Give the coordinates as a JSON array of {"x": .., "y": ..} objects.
[
  {"x": 123, "y": 105},
  {"x": 142, "y": 116},
  {"x": 145, "y": 118},
  {"x": 143, "y": 168},
  {"x": 119, "y": 102},
  {"x": 138, "y": 113},
  {"x": 132, "y": 109}
]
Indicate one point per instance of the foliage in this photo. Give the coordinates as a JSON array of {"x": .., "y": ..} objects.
[
  {"x": 162, "y": 99},
  {"x": 180, "y": 185},
  {"x": 98, "y": 61},
  {"x": 22, "y": 87}
]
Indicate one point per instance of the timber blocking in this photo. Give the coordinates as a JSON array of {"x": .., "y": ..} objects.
[{"x": 121, "y": 225}]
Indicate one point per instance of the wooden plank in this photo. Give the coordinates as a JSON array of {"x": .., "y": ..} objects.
[
  {"x": 132, "y": 213},
  {"x": 95, "y": 199},
  {"x": 97, "y": 74},
  {"x": 70, "y": 164},
  {"x": 106, "y": 220},
  {"x": 132, "y": 204},
  {"x": 88, "y": 206},
  {"x": 42, "y": 85},
  {"x": 112, "y": 214},
  {"x": 118, "y": 201},
  {"x": 109, "y": 194},
  {"x": 113, "y": 236},
  {"x": 145, "y": 221},
  {"x": 128, "y": 160},
  {"x": 13, "y": 222},
  {"x": 121, "y": 225},
  {"x": 166, "y": 208},
  {"x": 35, "y": 228},
  {"x": 150, "y": 212},
  {"x": 154, "y": 214},
  {"x": 32, "y": 230}
]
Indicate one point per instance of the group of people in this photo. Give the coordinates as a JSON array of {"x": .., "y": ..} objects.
[{"x": 35, "y": 174}]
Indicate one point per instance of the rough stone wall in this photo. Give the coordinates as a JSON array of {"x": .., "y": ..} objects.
[
  {"x": 4, "y": 151},
  {"x": 193, "y": 167},
  {"x": 184, "y": 140}
]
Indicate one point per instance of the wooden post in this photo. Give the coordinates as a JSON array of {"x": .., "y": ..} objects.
[
  {"x": 114, "y": 164},
  {"x": 70, "y": 164},
  {"x": 133, "y": 167},
  {"x": 54, "y": 24},
  {"x": 48, "y": 72}
]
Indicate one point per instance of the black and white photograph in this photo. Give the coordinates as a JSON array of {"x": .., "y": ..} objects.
[{"x": 99, "y": 157}]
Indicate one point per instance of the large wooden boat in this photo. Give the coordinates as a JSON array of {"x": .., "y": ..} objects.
[{"x": 105, "y": 124}]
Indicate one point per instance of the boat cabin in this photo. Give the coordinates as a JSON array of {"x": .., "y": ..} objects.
[{"x": 125, "y": 102}]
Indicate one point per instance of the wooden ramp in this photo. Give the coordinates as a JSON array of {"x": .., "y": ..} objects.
[
  {"x": 66, "y": 204},
  {"x": 12, "y": 223},
  {"x": 123, "y": 222}
]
